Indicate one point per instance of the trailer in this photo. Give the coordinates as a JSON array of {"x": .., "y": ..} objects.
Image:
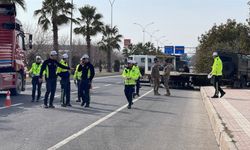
[
  {"x": 236, "y": 69},
  {"x": 180, "y": 76}
]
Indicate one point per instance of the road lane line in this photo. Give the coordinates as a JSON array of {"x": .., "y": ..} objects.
[
  {"x": 81, "y": 132},
  {"x": 96, "y": 87},
  {"x": 115, "y": 76},
  {"x": 18, "y": 104},
  {"x": 107, "y": 85}
]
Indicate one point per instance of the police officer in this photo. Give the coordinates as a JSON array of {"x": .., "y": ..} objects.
[
  {"x": 155, "y": 76},
  {"x": 138, "y": 86},
  {"x": 77, "y": 80},
  {"x": 217, "y": 75},
  {"x": 35, "y": 72},
  {"x": 168, "y": 67},
  {"x": 130, "y": 76},
  {"x": 88, "y": 73},
  {"x": 50, "y": 66},
  {"x": 65, "y": 81}
]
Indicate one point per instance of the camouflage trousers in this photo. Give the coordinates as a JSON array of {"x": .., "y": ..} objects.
[{"x": 166, "y": 84}]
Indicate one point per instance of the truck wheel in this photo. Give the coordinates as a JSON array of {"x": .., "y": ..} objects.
[
  {"x": 243, "y": 82},
  {"x": 19, "y": 85},
  {"x": 236, "y": 84}
]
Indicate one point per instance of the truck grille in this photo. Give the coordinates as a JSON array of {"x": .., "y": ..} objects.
[{"x": 5, "y": 48}]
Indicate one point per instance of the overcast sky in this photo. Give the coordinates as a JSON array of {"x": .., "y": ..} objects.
[{"x": 180, "y": 21}]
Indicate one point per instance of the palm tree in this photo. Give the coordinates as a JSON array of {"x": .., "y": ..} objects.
[
  {"x": 89, "y": 24},
  {"x": 19, "y": 2},
  {"x": 110, "y": 41},
  {"x": 54, "y": 13}
]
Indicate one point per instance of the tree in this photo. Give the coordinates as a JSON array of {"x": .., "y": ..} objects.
[
  {"x": 90, "y": 24},
  {"x": 141, "y": 49},
  {"x": 54, "y": 13},
  {"x": 228, "y": 37},
  {"x": 110, "y": 42},
  {"x": 21, "y": 3}
]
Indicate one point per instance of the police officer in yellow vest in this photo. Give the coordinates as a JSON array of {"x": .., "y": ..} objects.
[
  {"x": 130, "y": 76},
  {"x": 35, "y": 73},
  {"x": 77, "y": 80},
  {"x": 217, "y": 75},
  {"x": 88, "y": 73},
  {"x": 50, "y": 67},
  {"x": 65, "y": 81}
]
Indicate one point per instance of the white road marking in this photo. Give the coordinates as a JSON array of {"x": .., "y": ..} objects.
[
  {"x": 238, "y": 117},
  {"x": 81, "y": 132},
  {"x": 107, "y": 85},
  {"x": 115, "y": 76},
  {"x": 97, "y": 87},
  {"x": 18, "y": 104},
  {"x": 118, "y": 82}
]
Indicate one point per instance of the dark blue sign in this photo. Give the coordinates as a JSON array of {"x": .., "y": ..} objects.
[
  {"x": 179, "y": 50},
  {"x": 169, "y": 50}
]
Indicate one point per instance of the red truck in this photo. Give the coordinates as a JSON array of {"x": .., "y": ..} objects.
[{"x": 12, "y": 51}]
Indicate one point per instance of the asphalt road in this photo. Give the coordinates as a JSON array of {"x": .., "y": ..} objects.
[{"x": 178, "y": 122}]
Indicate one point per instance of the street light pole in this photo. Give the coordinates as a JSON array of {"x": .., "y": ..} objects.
[
  {"x": 112, "y": 5},
  {"x": 151, "y": 35},
  {"x": 144, "y": 29},
  {"x": 71, "y": 37},
  {"x": 158, "y": 40}
]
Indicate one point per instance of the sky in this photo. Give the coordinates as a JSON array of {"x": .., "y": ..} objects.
[{"x": 180, "y": 22}]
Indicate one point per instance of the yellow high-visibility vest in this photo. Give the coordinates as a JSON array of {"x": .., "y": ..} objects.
[
  {"x": 35, "y": 69},
  {"x": 130, "y": 73},
  {"x": 217, "y": 67},
  {"x": 60, "y": 70},
  {"x": 77, "y": 74}
]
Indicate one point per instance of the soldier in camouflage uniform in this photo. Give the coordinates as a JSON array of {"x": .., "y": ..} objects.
[
  {"x": 155, "y": 76},
  {"x": 168, "y": 67}
]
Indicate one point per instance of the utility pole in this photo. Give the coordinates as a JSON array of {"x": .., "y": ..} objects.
[
  {"x": 71, "y": 37},
  {"x": 144, "y": 29},
  {"x": 111, "y": 5}
]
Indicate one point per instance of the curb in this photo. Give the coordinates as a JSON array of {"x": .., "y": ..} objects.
[{"x": 224, "y": 141}]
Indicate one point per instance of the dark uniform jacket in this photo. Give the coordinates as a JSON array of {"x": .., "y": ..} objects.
[
  {"x": 50, "y": 66},
  {"x": 88, "y": 71}
]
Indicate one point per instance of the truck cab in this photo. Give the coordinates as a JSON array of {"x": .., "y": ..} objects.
[{"x": 12, "y": 51}]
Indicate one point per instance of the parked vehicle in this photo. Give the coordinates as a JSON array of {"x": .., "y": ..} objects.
[
  {"x": 236, "y": 69},
  {"x": 180, "y": 76},
  {"x": 12, "y": 51}
]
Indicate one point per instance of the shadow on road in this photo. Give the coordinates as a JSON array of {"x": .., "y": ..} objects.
[{"x": 153, "y": 111}]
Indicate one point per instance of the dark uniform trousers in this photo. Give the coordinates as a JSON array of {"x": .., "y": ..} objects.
[
  {"x": 65, "y": 87},
  {"x": 217, "y": 80},
  {"x": 36, "y": 85},
  {"x": 138, "y": 86},
  {"x": 129, "y": 90},
  {"x": 78, "y": 83},
  {"x": 50, "y": 90},
  {"x": 85, "y": 91}
]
